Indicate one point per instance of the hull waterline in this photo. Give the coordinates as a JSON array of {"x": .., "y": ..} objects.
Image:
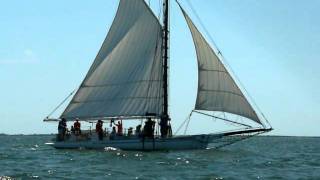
[
  {"x": 154, "y": 144},
  {"x": 147, "y": 144}
]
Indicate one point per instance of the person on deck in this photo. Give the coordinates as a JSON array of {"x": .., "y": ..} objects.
[
  {"x": 130, "y": 131},
  {"x": 113, "y": 133},
  {"x": 62, "y": 128},
  {"x": 72, "y": 130},
  {"x": 164, "y": 128},
  {"x": 169, "y": 134},
  {"x": 99, "y": 129},
  {"x": 148, "y": 128},
  {"x": 138, "y": 130},
  {"x": 119, "y": 128},
  {"x": 111, "y": 122},
  {"x": 77, "y": 127}
]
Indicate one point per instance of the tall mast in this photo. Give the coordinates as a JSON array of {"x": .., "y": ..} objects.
[{"x": 165, "y": 59}]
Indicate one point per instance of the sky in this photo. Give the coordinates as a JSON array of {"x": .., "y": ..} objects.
[{"x": 272, "y": 46}]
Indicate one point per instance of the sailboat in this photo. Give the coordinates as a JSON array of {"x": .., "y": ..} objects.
[{"x": 128, "y": 80}]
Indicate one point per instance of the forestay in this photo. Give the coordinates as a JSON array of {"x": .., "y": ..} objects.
[
  {"x": 126, "y": 76},
  {"x": 217, "y": 91}
]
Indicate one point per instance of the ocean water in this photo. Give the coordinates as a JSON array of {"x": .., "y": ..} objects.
[{"x": 28, "y": 157}]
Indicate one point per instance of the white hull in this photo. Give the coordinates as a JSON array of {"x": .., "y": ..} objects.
[
  {"x": 154, "y": 144},
  {"x": 135, "y": 143}
]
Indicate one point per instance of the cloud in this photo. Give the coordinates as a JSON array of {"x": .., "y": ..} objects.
[{"x": 27, "y": 57}]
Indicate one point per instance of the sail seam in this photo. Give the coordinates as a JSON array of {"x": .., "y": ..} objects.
[
  {"x": 213, "y": 70},
  {"x": 94, "y": 118},
  {"x": 113, "y": 99},
  {"x": 118, "y": 84},
  {"x": 219, "y": 91}
]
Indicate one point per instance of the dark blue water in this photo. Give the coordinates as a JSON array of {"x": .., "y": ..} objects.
[{"x": 27, "y": 157}]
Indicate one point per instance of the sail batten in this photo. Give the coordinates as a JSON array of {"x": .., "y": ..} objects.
[
  {"x": 126, "y": 76},
  {"x": 217, "y": 91}
]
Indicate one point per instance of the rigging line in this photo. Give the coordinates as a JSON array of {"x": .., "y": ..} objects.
[
  {"x": 231, "y": 124},
  {"x": 224, "y": 60},
  {"x": 222, "y": 119},
  {"x": 237, "y": 140},
  {"x": 185, "y": 130},
  {"x": 203, "y": 26},
  {"x": 61, "y": 103},
  {"x": 159, "y": 12},
  {"x": 183, "y": 124},
  {"x": 266, "y": 120},
  {"x": 179, "y": 128}
]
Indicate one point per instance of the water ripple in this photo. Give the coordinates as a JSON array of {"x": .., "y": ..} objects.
[{"x": 28, "y": 157}]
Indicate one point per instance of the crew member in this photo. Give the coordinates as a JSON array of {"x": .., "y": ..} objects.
[
  {"x": 77, "y": 127},
  {"x": 62, "y": 128},
  {"x": 130, "y": 131},
  {"x": 148, "y": 128},
  {"x": 164, "y": 127},
  {"x": 138, "y": 130},
  {"x": 99, "y": 129},
  {"x": 113, "y": 133},
  {"x": 169, "y": 134},
  {"x": 119, "y": 128}
]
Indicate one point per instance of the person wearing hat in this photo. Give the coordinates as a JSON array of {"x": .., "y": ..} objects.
[{"x": 77, "y": 127}]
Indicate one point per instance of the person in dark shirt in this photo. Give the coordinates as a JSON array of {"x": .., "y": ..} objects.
[
  {"x": 119, "y": 128},
  {"x": 148, "y": 129},
  {"x": 163, "y": 128},
  {"x": 138, "y": 130},
  {"x": 113, "y": 133},
  {"x": 130, "y": 131},
  {"x": 99, "y": 129},
  {"x": 77, "y": 127},
  {"x": 62, "y": 128},
  {"x": 72, "y": 130}
]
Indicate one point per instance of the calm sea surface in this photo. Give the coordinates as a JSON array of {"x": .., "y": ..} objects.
[{"x": 27, "y": 157}]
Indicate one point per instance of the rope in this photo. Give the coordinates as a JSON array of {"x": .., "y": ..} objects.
[
  {"x": 227, "y": 120},
  {"x": 188, "y": 118},
  {"x": 185, "y": 130},
  {"x": 160, "y": 10},
  {"x": 241, "y": 138},
  {"x": 54, "y": 110}
]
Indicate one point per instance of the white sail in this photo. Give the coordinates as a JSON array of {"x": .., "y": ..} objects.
[
  {"x": 217, "y": 91},
  {"x": 126, "y": 76}
]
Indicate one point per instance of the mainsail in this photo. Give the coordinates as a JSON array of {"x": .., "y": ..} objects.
[
  {"x": 217, "y": 91},
  {"x": 126, "y": 76}
]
